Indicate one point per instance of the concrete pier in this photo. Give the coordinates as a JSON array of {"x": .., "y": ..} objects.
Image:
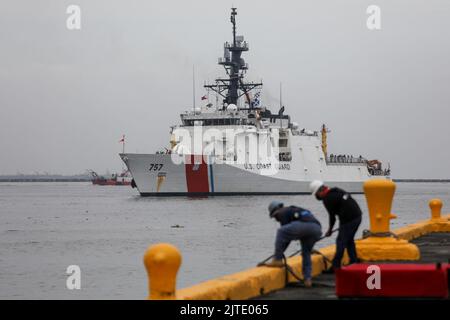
[
  {"x": 434, "y": 247},
  {"x": 431, "y": 236},
  {"x": 426, "y": 241}
]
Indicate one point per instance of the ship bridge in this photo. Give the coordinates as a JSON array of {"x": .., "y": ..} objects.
[{"x": 259, "y": 117}]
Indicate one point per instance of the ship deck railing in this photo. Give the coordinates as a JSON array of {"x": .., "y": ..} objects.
[
  {"x": 346, "y": 160},
  {"x": 345, "y": 163}
]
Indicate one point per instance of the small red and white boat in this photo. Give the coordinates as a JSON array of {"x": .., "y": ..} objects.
[{"x": 122, "y": 179}]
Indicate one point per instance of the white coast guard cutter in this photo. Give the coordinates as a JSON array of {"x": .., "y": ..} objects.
[{"x": 297, "y": 156}]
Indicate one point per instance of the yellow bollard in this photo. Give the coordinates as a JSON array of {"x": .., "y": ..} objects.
[
  {"x": 381, "y": 245},
  {"x": 162, "y": 262},
  {"x": 379, "y": 195},
  {"x": 436, "y": 207},
  {"x": 437, "y": 222}
]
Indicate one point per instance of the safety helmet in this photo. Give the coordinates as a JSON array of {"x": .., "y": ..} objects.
[
  {"x": 273, "y": 206},
  {"x": 315, "y": 186}
]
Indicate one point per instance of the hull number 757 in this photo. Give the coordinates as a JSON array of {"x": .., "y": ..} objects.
[{"x": 155, "y": 167}]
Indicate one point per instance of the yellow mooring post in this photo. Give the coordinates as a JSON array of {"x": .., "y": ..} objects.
[
  {"x": 436, "y": 207},
  {"x": 381, "y": 244},
  {"x": 162, "y": 262},
  {"x": 438, "y": 223}
]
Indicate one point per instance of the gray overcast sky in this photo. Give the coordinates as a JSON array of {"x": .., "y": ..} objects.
[{"x": 66, "y": 97}]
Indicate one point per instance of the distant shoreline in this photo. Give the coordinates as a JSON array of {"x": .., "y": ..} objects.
[
  {"x": 89, "y": 179},
  {"x": 45, "y": 179}
]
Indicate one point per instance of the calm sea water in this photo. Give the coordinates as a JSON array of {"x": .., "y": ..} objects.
[{"x": 45, "y": 227}]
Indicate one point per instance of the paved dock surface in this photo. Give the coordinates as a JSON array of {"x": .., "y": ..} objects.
[{"x": 434, "y": 247}]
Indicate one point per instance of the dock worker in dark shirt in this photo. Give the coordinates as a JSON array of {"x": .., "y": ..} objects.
[
  {"x": 296, "y": 224},
  {"x": 340, "y": 203}
]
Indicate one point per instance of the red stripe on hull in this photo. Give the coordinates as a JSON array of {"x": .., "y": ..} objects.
[{"x": 196, "y": 174}]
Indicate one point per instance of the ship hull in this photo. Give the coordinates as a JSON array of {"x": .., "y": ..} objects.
[{"x": 158, "y": 175}]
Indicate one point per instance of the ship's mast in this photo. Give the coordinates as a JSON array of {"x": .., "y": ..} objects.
[
  {"x": 233, "y": 21},
  {"x": 236, "y": 62},
  {"x": 235, "y": 68}
]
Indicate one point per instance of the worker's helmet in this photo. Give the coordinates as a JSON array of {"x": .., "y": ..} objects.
[
  {"x": 315, "y": 186},
  {"x": 273, "y": 206}
]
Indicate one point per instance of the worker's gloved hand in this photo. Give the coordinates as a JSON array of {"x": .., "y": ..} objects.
[{"x": 329, "y": 232}]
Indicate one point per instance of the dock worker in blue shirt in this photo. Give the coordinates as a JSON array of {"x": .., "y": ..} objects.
[{"x": 296, "y": 224}]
